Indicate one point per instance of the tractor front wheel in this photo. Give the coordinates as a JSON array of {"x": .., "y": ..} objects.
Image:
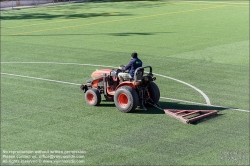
[
  {"x": 126, "y": 99},
  {"x": 93, "y": 97}
]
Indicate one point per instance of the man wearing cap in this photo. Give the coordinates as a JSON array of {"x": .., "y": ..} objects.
[{"x": 133, "y": 64}]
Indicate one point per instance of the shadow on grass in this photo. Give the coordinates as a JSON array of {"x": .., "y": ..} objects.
[
  {"x": 173, "y": 105},
  {"x": 178, "y": 106},
  {"x": 136, "y": 33},
  {"x": 107, "y": 104},
  {"x": 79, "y": 6},
  {"x": 49, "y": 16},
  {"x": 101, "y": 1},
  {"x": 164, "y": 105},
  {"x": 110, "y": 34},
  {"x": 149, "y": 3},
  {"x": 170, "y": 105}
]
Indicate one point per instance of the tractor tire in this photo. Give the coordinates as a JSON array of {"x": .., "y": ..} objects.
[
  {"x": 93, "y": 97},
  {"x": 154, "y": 92},
  {"x": 126, "y": 99}
]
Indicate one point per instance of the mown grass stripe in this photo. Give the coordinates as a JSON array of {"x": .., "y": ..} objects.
[{"x": 119, "y": 20}]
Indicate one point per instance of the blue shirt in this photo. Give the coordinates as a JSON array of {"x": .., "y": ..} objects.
[{"x": 132, "y": 66}]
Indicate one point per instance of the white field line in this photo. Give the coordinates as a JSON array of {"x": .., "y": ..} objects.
[
  {"x": 43, "y": 79},
  {"x": 198, "y": 90},
  {"x": 58, "y": 63},
  {"x": 193, "y": 87},
  {"x": 70, "y": 83},
  {"x": 218, "y": 2}
]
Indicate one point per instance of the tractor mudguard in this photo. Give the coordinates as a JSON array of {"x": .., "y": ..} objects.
[{"x": 126, "y": 83}]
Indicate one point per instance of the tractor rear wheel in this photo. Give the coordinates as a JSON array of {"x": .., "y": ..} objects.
[
  {"x": 126, "y": 99},
  {"x": 93, "y": 97},
  {"x": 154, "y": 92}
]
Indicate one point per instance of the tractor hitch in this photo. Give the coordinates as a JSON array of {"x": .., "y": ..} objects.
[{"x": 84, "y": 88}]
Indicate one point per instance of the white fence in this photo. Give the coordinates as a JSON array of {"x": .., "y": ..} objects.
[{"x": 17, "y": 3}]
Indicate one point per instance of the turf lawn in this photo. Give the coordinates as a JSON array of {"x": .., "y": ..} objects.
[{"x": 204, "y": 44}]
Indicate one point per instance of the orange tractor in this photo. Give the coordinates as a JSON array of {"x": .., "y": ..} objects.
[
  {"x": 126, "y": 94},
  {"x": 138, "y": 91}
]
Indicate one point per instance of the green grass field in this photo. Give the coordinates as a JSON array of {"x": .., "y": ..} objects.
[{"x": 44, "y": 49}]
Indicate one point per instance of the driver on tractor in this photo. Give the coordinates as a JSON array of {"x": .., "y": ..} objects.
[{"x": 133, "y": 64}]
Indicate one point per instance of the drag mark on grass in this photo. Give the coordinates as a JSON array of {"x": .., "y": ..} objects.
[{"x": 119, "y": 20}]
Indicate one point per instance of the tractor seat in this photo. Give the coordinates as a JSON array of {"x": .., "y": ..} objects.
[{"x": 124, "y": 76}]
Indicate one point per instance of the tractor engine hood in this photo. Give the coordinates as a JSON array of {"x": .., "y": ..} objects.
[{"x": 98, "y": 73}]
